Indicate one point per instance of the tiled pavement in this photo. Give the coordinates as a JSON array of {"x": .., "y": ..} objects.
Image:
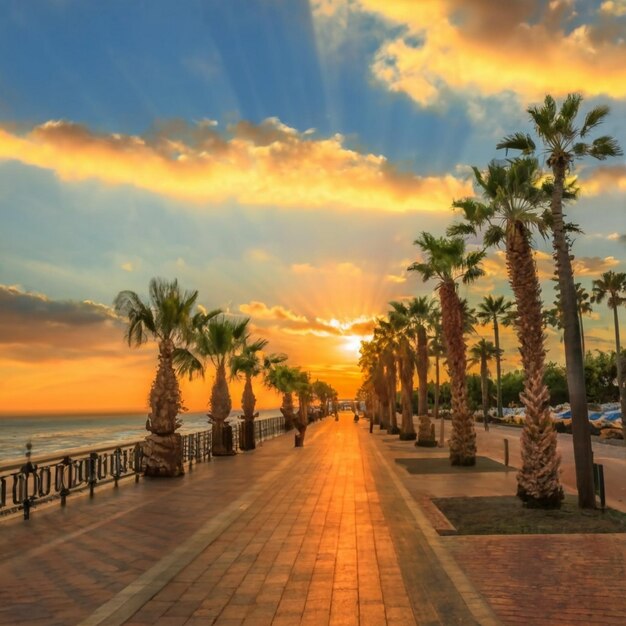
[{"x": 332, "y": 533}]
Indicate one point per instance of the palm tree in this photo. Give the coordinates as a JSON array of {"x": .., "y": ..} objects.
[
  {"x": 447, "y": 261},
  {"x": 436, "y": 349},
  {"x": 250, "y": 364},
  {"x": 218, "y": 339},
  {"x": 386, "y": 345},
  {"x": 482, "y": 352},
  {"x": 492, "y": 311},
  {"x": 373, "y": 370},
  {"x": 612, "y": 287},
  {"x": 515, "y": 203},
  {"x": 284, "y": 378},
  {"x": 418, "y": 312},
  {"x": 304, "y": 391},
  {"x": 564, "y": 142},
  {"x": 168, "y": 320},
  {"x": 401, "y": 323}
]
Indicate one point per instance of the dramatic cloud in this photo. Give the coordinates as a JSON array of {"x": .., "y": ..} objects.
[
  {"x": 259, "y": 310},
  {"x": 268, "y": 164},
  {"x": 486, "y": 48},
  {"x": 297, "y": 324},
  {"x": 35, "y": 328},
  {"x": 604, "y": 179},
  {"x": 583, "y": 266}
]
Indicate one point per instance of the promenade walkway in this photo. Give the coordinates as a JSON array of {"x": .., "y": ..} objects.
[{"x": 332, "y": 533}]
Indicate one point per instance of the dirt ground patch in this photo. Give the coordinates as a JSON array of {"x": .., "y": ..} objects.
[{"x": 506, "y": 515}]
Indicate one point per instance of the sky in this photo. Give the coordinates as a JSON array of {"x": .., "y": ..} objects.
[{"x": 279, "y": 156}]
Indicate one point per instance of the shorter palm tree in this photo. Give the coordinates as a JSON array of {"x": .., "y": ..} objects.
[
  {"x": 283, "y": 378},
  {"x": 250, "y": 364},
  {"x": 482, "y": 352},
  {"x": 167, "y": 318},
  {"x": 612, "y": 287},
  {"x": 305, "y": 393},
  {"x": 492, "y": 310},
  {"x": 217, "y": 340},
  {"x": 447, "y": 262}
]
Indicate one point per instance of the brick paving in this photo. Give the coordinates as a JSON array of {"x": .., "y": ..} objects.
[{"x": 334, "y": 533}]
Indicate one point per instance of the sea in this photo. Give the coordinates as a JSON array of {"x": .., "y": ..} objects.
[{"x": 52, "y": 434}]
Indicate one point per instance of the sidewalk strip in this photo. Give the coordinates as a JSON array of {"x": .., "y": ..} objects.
[
  {"x": 130, "y": 599},
  {"x": 474, "y": 601}
]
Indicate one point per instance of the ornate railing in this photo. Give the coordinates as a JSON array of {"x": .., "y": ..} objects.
[
  {"x": 24, "y": 485},
  {"x": 268, "y": 428}
]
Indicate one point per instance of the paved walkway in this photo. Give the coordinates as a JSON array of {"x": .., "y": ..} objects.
[{"x": 332, "y": 533}]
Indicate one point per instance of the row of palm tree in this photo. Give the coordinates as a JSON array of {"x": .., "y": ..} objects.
[
  {"x": 518, "y": 202},
  {"x": 190, "y": 339}
]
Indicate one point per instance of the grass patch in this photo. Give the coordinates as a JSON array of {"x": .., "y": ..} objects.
[
  {"x": 442, "y": 466},
  {"x": 506, "y": 515}
]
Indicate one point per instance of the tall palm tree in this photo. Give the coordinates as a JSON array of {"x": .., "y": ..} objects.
[
  {"x": 492, "y": 311},
  {"x": 386, "y": 342},
  {"x": 564, "y": 141},
  {"x": 436, "y": 349},
  {"x": 249, "y": 364},
  {"x": 405, "y": 359},
  {"x": 167, "y": 318},
  {"x": 418, "y": 312},
  {"x": 514, "y": 206},
  {"x": 447, "y": 262},
  {"x": 482, "y": 352},
  {"x": 217, "y": 340},
  {"x": 373, "y": 370},
  {"x": 612, "y": 287}
]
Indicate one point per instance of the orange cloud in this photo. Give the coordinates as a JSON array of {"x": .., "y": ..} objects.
[
  {"x": 604, "y": 179},
  {"x": 259, "y": 310},
  {"x": 257, "y": 165},
  {"x": 490, "y": 48}
]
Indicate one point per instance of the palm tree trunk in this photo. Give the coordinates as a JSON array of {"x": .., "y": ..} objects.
[
  {"x": 301, "y": 421},
  {"x": 463, "y": 438},
  {"x": 436, "y": 404},
  {"x": 620, "y": 374},
  {"x": 484, "y": 389},
  {"x": 407, "y": 432},
  {"x": 574, "y": 362},
  {"x": 221, "y": 407},
  {"x": 496, "y": 336},
  {"x": 538, "y": 480},
  {"x": 425, "y": 436},
  {"x": 437, "y": 385},
  {"x": 422, "y": 371},
  {"x": 163, "y": 448},
  {"x": 248, "y": 402},
  {"x": 287, "y": 410},
  {"x": 391, "y": 382},
  {"x": 582, "y": 334}
]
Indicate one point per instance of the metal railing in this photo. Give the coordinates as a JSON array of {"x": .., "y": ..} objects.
[{"x": 24, "y": 485}]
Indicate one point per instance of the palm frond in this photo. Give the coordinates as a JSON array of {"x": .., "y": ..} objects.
[
  {"x": 187, "y": 364},
  {"x": 594, "y": 118},
  {"x": 517, "y": 141},
  {"x": 604, "y": 147}
]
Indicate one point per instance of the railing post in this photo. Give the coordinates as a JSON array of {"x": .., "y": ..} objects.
[
  {"x": 66, "y": 472},
  {"x": 91, "y": 476}
]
